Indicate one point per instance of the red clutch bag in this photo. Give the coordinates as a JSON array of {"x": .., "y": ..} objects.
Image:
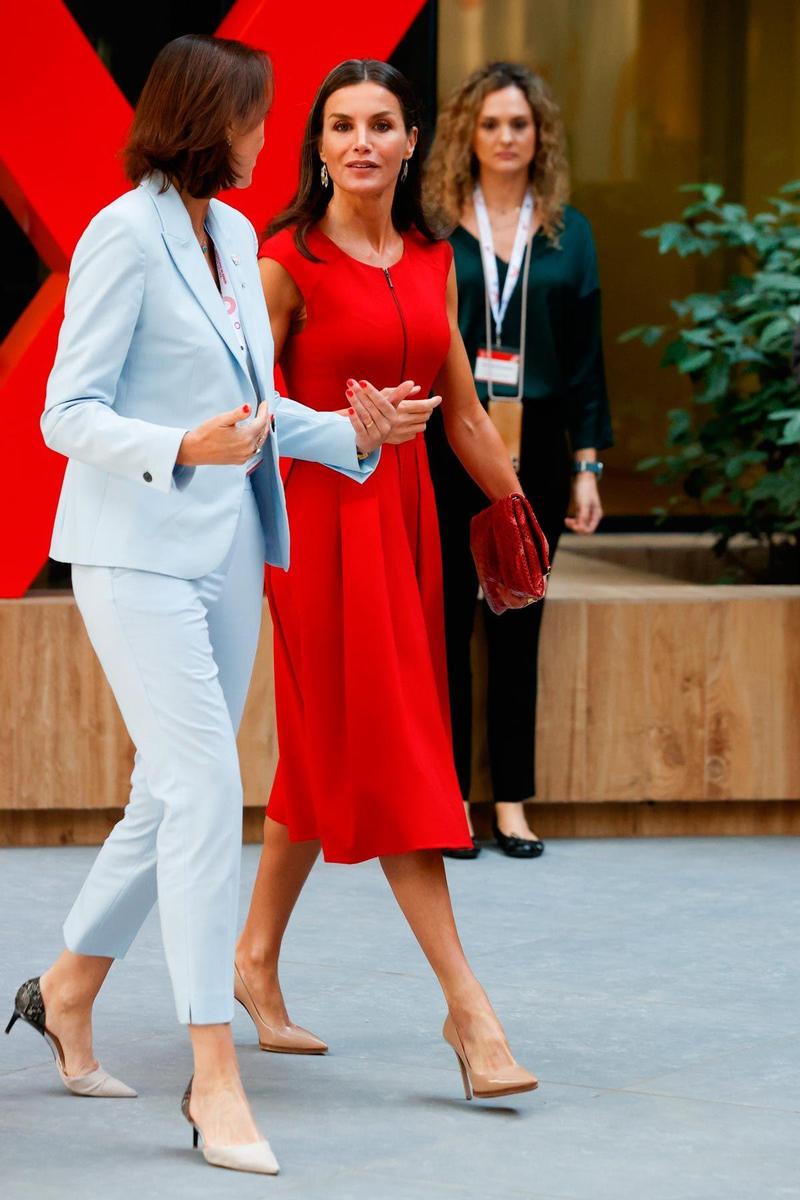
[{"x": 511, "y": 554}]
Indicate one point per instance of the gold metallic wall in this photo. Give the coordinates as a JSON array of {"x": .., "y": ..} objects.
[{"x": 655, "y": 93}]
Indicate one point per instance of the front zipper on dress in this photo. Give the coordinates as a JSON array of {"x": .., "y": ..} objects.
[{"x": 402, "y": 322}]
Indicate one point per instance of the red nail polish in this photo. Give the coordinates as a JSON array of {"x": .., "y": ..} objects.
[
  {"x": 349, "y": 393},
  {"x": 351, "y": 383},
  {"x": 362, "y": 383},
  {"x": 350, "y": 412},
  {"x": 246, "y": 409}
]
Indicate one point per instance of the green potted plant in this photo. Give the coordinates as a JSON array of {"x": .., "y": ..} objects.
[{"x": 736, "y": 447}]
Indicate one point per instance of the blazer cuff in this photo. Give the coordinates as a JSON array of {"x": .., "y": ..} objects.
[
  {"x": 344, "y": 454},
  {"x": 160, "y": 469}
]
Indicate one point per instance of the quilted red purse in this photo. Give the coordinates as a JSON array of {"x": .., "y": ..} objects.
[{"x": 511, "y": 554}]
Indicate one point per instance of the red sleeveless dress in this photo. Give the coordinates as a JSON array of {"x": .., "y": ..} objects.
[{"x": 366, "y": 762}]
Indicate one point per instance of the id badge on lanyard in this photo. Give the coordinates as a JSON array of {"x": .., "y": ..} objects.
[{"x": 498, "y": 364}]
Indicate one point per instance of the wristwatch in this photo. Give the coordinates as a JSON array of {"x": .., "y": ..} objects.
[{"x": 594, "y": 468}]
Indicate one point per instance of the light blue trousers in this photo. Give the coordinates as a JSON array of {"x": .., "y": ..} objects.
[{"x": 178, "y": 655}]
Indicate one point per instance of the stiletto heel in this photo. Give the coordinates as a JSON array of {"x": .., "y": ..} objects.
[
  {"x": 292, "y": 1039},
  {"x": 503, "y": 1081},
  {"x": 256, "y": 1157},
  {"x": 464, "y": 1078},
  {"x": 29, "y": 1005}
]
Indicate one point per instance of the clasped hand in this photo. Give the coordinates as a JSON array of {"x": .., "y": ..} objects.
[{"x": 391, "y": 415}]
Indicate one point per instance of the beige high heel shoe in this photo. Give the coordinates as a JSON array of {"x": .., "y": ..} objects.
[
  {"x": 29, "y": 1007},
  {"x": 503, "y": 1081},
  {"x": 255, "y": 1157},
  {"x": 290, "y": 1039}
]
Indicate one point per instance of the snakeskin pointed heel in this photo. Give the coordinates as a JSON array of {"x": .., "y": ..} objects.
[{"x": 29, "y": 1007}]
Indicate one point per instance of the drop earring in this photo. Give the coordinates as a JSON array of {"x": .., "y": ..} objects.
[
  {"x": 404, "y": 172},
  {"x": 324, "y": 175}
]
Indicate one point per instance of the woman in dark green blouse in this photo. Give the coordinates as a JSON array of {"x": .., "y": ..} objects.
[{"x": 499, "y": 141}]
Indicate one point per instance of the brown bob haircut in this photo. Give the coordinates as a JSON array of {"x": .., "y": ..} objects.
[{"x": 198, "y": 88}]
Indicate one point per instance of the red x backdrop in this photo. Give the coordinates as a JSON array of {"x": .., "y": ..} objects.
[{"x": 63, "y": 122}]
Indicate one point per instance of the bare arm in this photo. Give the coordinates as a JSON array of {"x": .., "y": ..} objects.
[
  {"x": 470, "y": 431},
  {"x": 285, "y": 305}
]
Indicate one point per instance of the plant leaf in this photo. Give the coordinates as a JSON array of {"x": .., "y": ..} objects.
[
  {"x": 694, "y": 362},
  {"x": 781, "y": 281}
]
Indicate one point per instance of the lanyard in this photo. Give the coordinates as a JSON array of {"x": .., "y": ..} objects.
[
  {"x": 228, "y": 299},
  {"x": 499, "y": 304}
]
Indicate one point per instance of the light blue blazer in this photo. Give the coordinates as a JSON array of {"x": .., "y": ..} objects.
[{"x": 147, "y": 352}]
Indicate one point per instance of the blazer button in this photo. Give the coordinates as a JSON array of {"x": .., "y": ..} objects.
[{"x": 147, "y": 477}]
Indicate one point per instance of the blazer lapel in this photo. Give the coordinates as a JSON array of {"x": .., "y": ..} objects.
[
  {"x": 188, "y": 258},
  {"x": 245, "y": 283}
]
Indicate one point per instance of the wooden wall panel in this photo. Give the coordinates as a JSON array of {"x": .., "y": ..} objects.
[
  {"x": 62, "y": 743},
  {"x": 675, "y": 704},
  {"x": 563, "y": 767},
  {"x": 740, "y": 818},
  {"x": 616, "y": 709},
  {"x": 651, "y": 689},
  {"x": 752, "y": 717}
]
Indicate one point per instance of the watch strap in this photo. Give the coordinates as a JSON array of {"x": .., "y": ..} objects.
[{"x": 591, "y": 468}]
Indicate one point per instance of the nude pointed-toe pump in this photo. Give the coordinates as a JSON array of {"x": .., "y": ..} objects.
[
  {"x": 503, "y": 1081},
  {"x": 29, "y": 1007},
  {"x": 286, "y": 1039},
  {"x": 255, "y": 1157}
]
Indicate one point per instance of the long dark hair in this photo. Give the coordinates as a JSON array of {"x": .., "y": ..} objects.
[{"x": 311, "y": 199}]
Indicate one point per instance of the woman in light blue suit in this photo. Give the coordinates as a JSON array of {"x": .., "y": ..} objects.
[{"x": 168, "y": 512}]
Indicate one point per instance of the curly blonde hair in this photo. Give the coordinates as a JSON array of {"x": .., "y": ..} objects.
[{"x": 452, "y": 167}]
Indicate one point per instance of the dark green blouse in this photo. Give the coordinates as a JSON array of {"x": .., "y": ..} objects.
[{"x": 564, "y": 352}]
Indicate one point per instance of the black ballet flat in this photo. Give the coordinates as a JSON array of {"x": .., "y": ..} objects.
[
  {"x": 464, "y": 852},
  {"x": 516, "y": 847}
]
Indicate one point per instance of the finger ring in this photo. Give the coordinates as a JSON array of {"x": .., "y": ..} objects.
[
  {"x": 368, "y": 423},
  {"x": 258, "y": 445}
]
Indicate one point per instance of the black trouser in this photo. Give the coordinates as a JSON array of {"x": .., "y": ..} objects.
[{"x": 512, "y": 638}]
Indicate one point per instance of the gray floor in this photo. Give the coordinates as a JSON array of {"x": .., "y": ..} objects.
[{"x": 651, "y": 984}]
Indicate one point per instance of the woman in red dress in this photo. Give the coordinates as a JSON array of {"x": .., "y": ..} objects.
[{"x": 354, "y": 276}]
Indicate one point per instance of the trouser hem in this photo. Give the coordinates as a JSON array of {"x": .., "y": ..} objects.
[{"x": 209, "y": 1008}]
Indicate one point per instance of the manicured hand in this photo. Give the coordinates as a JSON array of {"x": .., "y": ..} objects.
[
  {"x": 374, "y": 414},
  {"x": 224, "y": 440},
  {"x": 413, "y": 416},
  {"x": 585, "y": 504}
]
